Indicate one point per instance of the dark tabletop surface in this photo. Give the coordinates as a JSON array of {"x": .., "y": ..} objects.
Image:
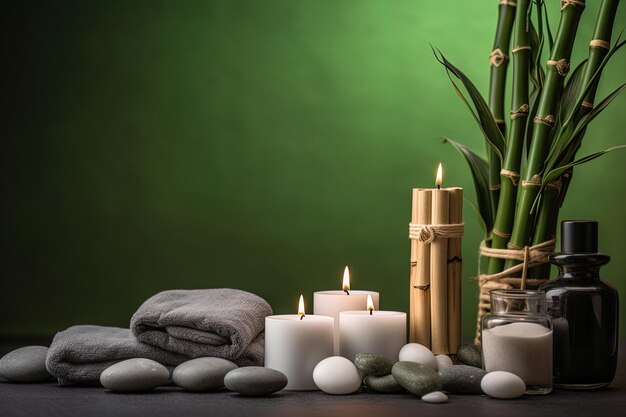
[{"x": 49, "y": 399}]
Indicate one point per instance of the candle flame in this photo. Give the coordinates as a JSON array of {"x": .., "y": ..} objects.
[
  {"x": 439, "y": 179},
  {"x": 370, "y": 303},
  {"x": 346, "y": 279},
  {"x": 301, "y": 306}
]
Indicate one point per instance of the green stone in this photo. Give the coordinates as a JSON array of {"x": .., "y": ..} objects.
[
  {"x": 416, "y": 378},
  {"x": 470, "y": 355},
  {"x": 372, "y": 364},
  {"x": 462, "y": 379},
  {"x": 384, "y": 384}
]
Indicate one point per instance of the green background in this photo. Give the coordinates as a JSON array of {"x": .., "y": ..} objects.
[{"x": 261, "y": 145}]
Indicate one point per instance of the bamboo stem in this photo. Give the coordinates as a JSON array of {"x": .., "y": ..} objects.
[
  {"x": 602, "y": 31},
  {"x": 497, "y": 83},
  {"x": 515, "y": 143},
  {"x": 439, "y": 275},
  {"x": 420, "y": 271},
  {"x": 455, "y": 264}
]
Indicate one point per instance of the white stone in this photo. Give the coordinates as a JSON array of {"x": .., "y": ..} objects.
[
  {"x": 137, "y": 374},
  {"x": 337, "y": 375},
  {"x": 503, "y": 385},
  {"x": 443, "y": 361},
  {"x": 435, "y": 397},
  {"x": 414, "y": 352}
]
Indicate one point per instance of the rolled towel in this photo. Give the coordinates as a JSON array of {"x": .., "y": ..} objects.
[
  {"x": 79, "y": 354},
  {"x": 221, "y": 322}
]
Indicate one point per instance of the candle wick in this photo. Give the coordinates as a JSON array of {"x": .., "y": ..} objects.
[
  {"x": 371, "y": 312},
  {"x": 301, "y": 316},
  {"x": 347, "y": 292},
  {"x": 439, "y": 187}
]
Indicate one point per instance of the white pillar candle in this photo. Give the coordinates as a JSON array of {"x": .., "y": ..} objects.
[
  {"x": 295, "y": 344},
  {"x": 381, "y": 332},
  {"x": 331, "y": 303}
]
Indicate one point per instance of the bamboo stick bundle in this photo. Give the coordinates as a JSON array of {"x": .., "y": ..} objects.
[
  {"x": 439, "y": 275},
  {"x": 551, "y": 120},
  {"x": 455, "y": 262},
  {"x": 420, "y": 271}
]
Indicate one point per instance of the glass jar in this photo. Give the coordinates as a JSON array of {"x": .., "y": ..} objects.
[{"x": 517, "y": 338}]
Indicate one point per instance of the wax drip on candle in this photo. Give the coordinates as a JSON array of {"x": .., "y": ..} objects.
[
  {"x": 439, "y": 179},
  {"x": 346, "y": 280},
  {"x": 301, "y": 307},
  {"x": 370, "y": 304}
]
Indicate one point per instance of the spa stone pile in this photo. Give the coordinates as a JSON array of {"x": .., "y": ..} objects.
[
  {"x": 419, "y": 372},
  {"x": 196, "y": 375},
  {"x": 28, "y": 364}
]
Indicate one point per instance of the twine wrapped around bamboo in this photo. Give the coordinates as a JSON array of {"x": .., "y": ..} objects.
[{"x": 529, "y": 256}]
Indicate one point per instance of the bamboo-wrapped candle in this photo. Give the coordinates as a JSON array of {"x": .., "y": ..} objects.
[{"x": 435, "y": 231}]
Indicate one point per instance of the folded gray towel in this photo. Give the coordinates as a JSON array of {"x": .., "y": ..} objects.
[
  {"x": 79, "y": 354},
  {"x": 222, "y": 322}
]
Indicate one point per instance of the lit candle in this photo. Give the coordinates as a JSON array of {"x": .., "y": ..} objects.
[
  {"x": 296, "y": 343},
  {"x": 331, "y": 303},
  {"x": 372, "y": 331}
]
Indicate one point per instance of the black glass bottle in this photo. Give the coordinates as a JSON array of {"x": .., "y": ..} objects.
[{"x": 584, "y": 311}]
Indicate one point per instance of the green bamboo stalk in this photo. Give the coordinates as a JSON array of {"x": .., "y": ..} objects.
[
  {"x": 499, "y": 62},
  {"x": 557, "y": 68},
  {"x": 597, "y": 53},
  {"x": 552, "y": 198},
  {"x": 515, "y": 142}
]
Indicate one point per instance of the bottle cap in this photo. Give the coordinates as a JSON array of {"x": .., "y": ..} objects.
[{"x": 579, "y": 236}]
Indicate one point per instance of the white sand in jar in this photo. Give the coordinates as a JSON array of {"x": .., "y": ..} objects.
[{"x": 524, "y": 349}]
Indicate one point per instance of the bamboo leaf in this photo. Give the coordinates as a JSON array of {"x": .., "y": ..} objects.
[
  {"x": 533, "y": 100},
  {"x": 479, "y": 216},
  {"x": 550, "y": 37},
  {"x": 459, "y": 93},
  {"x": 537, "y": 40},
  {"x": 480, "y": 175},
  {"x": 490, "y": 129},
  {"x": 571, "y": 89},
  {"x": 556, "y": 173},
  {"x": 536, "y": 46},
  {"x": 568, "y": 146},
  {"x": 563, "y": 133}
]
